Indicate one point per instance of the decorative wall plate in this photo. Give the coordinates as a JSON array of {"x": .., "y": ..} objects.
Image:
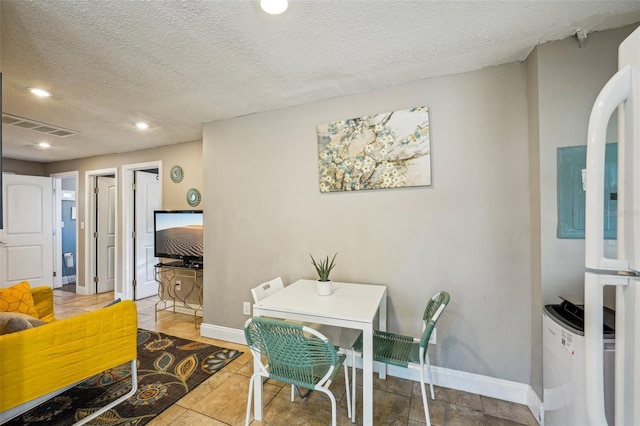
[
  {"x": 193, "y": 197},
  {"x": 177, "y": 174}
]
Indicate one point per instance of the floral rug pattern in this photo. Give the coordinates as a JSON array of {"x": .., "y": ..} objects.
[{"x": 168, "y": 368}]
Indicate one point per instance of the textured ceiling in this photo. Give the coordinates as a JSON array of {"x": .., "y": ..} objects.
[{"x": 177, "y": 64}]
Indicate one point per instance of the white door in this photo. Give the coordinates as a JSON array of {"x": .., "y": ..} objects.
[
  {"x": 147, "y": 199},
  {"x": 26, "y": 242},
  {"x": 106, "y": 233}
]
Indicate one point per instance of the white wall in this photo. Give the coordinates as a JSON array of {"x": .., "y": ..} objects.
[{"x": 467, "y": 234}]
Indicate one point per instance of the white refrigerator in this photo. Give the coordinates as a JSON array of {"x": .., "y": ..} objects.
[{"x": 622, "y": 92}]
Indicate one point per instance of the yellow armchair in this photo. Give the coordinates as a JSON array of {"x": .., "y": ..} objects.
[{"x": 41, "y": 362}]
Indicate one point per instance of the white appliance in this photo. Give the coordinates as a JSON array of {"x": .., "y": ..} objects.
[
  {"x": 622, "y": 92},
  {"x": 563, "y": 372}
]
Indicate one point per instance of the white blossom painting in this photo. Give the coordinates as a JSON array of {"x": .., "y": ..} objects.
[{"x": 389, "y": 150}]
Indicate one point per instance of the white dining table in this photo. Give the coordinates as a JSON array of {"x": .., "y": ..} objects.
[{"x": 350, "y": 305}]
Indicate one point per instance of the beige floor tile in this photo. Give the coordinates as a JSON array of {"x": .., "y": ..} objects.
[
  {"x": 229, "y": 403},
  {"x": 391, "y": 384},
  {"x": 496, "y": 421},
  {"x": 204, "y": 389},
  {"x": 193, "y": 418},
  {"x": 451, "y": 396},
  {"x": 388, "y": 408},
  {"x": 445, "y": 414},
  {"x": 313, "y": 411},
  {"x": 167, "y": 416},
  {"x": 507, "y": 410}
]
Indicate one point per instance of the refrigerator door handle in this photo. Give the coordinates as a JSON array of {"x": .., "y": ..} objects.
[
  {"x": 594, "y": 343},
  {"x": 616, "y": 91}
]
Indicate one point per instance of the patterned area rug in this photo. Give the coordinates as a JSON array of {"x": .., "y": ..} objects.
[{"x": 168, "y": 368}]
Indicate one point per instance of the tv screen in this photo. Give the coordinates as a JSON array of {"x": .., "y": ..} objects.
[{"x": 178, "y": 235}]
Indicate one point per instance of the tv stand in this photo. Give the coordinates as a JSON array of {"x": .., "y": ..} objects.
[
  {"x": 181, "y": 264},
  {"x": 179, "y": 286}
]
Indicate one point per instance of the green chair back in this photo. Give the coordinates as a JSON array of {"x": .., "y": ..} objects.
[
  {"x": 293, "y": 356},
  {"x": 432, "y": 313}
]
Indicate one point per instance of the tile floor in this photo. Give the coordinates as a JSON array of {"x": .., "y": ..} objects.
[{"x": 222, "y": 399}]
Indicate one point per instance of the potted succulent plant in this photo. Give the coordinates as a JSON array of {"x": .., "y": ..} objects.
[{"x": 323, "y": 268}]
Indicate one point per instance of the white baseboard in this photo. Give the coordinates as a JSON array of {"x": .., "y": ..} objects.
[
  {"x": 222, "y": 333},
  {"x": 535, "y": 405},
  {"x": 519, "y": 393}
]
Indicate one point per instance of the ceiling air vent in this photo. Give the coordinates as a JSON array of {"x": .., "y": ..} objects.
[{"x": 36, "y": 126}]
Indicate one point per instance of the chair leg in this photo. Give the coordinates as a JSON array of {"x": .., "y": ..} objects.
[
  {"x": 346, "y": 382},
  {"x": 248, "y": 416},
  {"x": 423, "y": 391},
  {"x": 353, "y": 387},
  {"x": 426, "y": 359},
  {"x": 333, "y": 404}
]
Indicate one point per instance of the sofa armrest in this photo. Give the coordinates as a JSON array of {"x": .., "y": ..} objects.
[
  {"x": 43, "y": 299},
  {"x": 43, "y": 359}
]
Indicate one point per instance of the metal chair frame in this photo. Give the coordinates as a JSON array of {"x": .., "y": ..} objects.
[
  {"x": 295, "y": 354},
  {"x": 405, "y": 351}
]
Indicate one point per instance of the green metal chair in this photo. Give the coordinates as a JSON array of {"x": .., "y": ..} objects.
[
  {"x": 294, "y": 354},
  {"x": 406, "y": 351}
]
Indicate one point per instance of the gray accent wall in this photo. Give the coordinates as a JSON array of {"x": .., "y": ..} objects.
[
  {"x": 569, "y": 80},
  {"x": 469, "y": 233},
  {"x": 485, "y": 230}
]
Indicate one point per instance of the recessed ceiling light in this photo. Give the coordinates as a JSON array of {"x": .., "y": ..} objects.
[
  {"x": 39, "y": 92},
  {"x": 142, "y": 125},
  {"x": 41, "y": 145},
  {"x": 274, "y": 7}
]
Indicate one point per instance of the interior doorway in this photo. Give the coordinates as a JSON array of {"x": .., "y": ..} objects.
[
  {"x": 101, "y": 248},
  {"x": 65, "y": 250},
  {"x": 142, "y": 194}
]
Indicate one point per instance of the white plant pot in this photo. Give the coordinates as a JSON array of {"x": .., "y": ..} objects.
[{"x": 324, "y": 288}]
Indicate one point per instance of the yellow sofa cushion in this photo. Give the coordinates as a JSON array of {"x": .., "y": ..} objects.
[{"x": 18, "y": 298}]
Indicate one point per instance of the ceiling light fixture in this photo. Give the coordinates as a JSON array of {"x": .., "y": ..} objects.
[
  {"x": 142, "y": 125},
  {"x": 41, "y": 145},
  {"x": 274, "y": 7},
  {"x": 39, "y": 92}
]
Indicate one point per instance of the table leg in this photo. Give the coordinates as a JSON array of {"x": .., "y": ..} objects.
[
  {"x": 257, "y": 393},
  {"x": 382, "y": 315},
  {"x": 367, "y": 375}
]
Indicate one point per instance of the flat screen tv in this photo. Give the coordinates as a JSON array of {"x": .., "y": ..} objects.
[{"x": 178, "y": 235}]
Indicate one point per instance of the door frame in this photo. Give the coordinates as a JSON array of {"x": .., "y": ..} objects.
[
  {"x": 90, "y": 217},
  {"x": 128, "y": 206},
  {"x": 57, "y": 229}
]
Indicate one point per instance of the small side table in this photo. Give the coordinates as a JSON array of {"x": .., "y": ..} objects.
[{"x": 181, "y": 285}]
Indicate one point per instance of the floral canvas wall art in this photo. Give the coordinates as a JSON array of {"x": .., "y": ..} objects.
[{"x": 388, "y": 150}]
